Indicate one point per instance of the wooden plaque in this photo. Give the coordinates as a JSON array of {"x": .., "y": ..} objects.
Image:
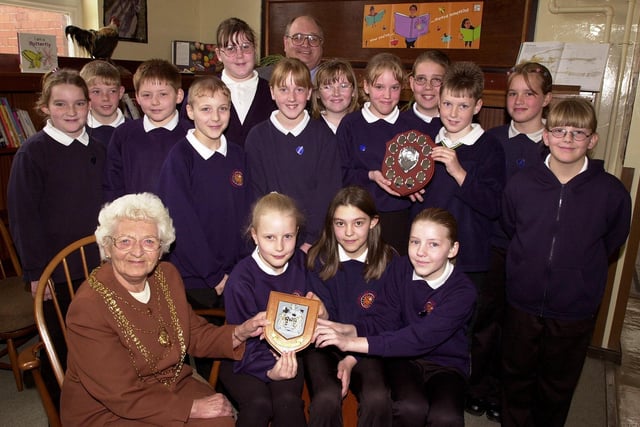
[
  {"x": 407, "y": 162},
  {"x": 292, "y": 320}
]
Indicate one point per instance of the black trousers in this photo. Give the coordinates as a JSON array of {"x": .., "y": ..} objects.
[
  {"x": 258, "y": 403},
  {"x": 367, "y": 384},
  {"x": 486, "y": 331},
  {"x": 425, "y": 394},
  {"x": 542, "y": 360}
]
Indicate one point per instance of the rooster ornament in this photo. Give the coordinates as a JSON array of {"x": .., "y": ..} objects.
[{"x": 99, "y": 44}]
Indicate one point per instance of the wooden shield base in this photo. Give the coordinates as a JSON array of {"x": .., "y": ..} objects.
[
  {"x": 292, "y": 320},
  {"x": 407, "y": 162}
]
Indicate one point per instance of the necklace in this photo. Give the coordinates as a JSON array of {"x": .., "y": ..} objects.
[{"x": 130, "y": 331}]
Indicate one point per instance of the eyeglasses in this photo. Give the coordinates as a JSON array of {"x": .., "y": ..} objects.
[
  {"x": 423, "y": 80},
  {"x": 577, "y": 135},
  {"x": 299, "y": 38},
  {"x": 127, "y": 243},
  {"x": 235, "y": 49},
  {"x": 340, "y": 87}
]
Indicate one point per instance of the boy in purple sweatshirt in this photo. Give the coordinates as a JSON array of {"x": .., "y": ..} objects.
[{"x": 566, "y": 218}]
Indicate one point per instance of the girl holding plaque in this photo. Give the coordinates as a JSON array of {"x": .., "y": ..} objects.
[
  {"x": 419, "y": 325},
  {"x": 348, "y": 266},
  {"x": 267, "y": 387},
  {"x": 362, "y": 138}
]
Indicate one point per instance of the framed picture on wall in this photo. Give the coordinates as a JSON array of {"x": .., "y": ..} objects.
[{"x": 131, "y": 16}]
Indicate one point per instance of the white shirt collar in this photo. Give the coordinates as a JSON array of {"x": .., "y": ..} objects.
[
  {"x": 204, "y": 151},
  {"x": 468, "y": 139},
  {"x": 333, "y": 127},
  {"x": 535, "y": 136},
  {"x": 424, "y": 117},
  {"x": 342, "y": 255},
  {"x": 252, "y": 81},
  {"x": 170, "y": 125},
  {"x": 436, "y": 283},
  {"x": 584, "y": 166},
  {"x": 92, "y": 122},
  {"x": 63, "y": 138},
  {"x": 296, "y": 130},
  {"x": 263, "y": 265},
  {"x": 372, "y": 118}
]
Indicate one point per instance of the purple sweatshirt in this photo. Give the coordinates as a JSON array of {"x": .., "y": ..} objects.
[{"x": 562, "y": 236}]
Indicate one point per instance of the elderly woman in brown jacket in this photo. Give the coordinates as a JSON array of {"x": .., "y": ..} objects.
[{"x": 130, "y": 327}]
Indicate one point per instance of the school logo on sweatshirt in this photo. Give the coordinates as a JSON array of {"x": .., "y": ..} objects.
[
  {"x": 237, "y": 178},
  {"x": 367, "y": 299}
]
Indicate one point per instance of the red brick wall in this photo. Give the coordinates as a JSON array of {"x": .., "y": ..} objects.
[{"x": 26, "y": 20}]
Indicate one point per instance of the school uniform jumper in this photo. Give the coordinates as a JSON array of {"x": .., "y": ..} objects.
[
  {"x": 562, "y": 238},
  {"x": 362, "y": 148},
  {"x": 208, "y": 200},
  {"x": 304, "y": 167},
  {"x": 429, "y": 128},
  {"x": 520, "y": 151},
  {"x": 135, "y": 157},
  {"x": 54, "y": 196},
  {"x": 423, "y": 333},
  {"x": 475, "y": 204},
  {"x": 347, "y": 298},
  {"x": 259, "y": 399}
]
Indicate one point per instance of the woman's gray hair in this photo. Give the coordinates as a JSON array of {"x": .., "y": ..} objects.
[{"x": 136, "y": 207}]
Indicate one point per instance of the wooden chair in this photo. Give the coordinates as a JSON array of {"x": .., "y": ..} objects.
[
  {"x": 219, "y": 313},
  {"x": 30, "y": 358},
  {"x": 16, "y": 310}
]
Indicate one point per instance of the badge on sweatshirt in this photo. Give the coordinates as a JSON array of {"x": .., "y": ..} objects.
[
  {"x": 428, "y": 308},
  {"x": 300, "y": 150},
  {"x": 237, "y": 178},
  {"x": 366, "y": 299}
]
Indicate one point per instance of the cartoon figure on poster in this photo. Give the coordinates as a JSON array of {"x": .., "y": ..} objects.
[
  {"x": 374, "y": 16},
  {"x": 442, "y": 25},
  {"x": 411, "y": 26},
  {"x": 468, "y": 33}
]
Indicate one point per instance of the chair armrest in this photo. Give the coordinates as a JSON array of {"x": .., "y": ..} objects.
[{"x": 29, "y": 358}]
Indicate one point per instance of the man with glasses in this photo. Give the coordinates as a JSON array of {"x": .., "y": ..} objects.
[{"x": 303, "y": 39}]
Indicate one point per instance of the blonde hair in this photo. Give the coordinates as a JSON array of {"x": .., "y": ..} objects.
[
  {"x": 576, "y": 112},
  {"x": 382, "y": 62},
  {"x": 100, "y": 70},
  {"x": 207, "y": 86},
  {"x": 290, "y": 67},
  {"x": 274, "y": 202}
]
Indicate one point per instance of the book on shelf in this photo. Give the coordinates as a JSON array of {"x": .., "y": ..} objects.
[
  {"x": 14, "y": 138},
  {"x": 573, "y": 64},
  {"x": 16, "y": 128},
  {"x": 38, "y": 52},
  {"x": 27, "y": 124},
  {"x": 4, "y": 139},
  {"x": 194, "y": 57}
]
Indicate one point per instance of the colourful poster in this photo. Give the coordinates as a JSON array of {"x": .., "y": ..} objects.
[{"x": 447, "y": 25}]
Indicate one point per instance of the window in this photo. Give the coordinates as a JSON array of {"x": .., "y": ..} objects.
[{"x": 32, "y": 20}]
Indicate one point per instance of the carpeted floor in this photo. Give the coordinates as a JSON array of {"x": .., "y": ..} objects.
[{"x": 588, "y": 408}]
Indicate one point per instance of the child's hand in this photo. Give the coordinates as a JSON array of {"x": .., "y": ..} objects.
[
  {"x": 322, "y": 310},
  {"x": 286, "y": 367},
  {"x": 220, "y": 286},
  {"x": 417, "y": 196},
  {"x": 345, "y": 366},
  {"x": 382, "y": 182},
  {"x": 451, "y": 163}
]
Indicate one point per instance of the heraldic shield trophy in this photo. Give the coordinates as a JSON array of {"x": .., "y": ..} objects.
[
  {"x": 407, "y": 162},
  {"x": 292, "y": 320}
]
